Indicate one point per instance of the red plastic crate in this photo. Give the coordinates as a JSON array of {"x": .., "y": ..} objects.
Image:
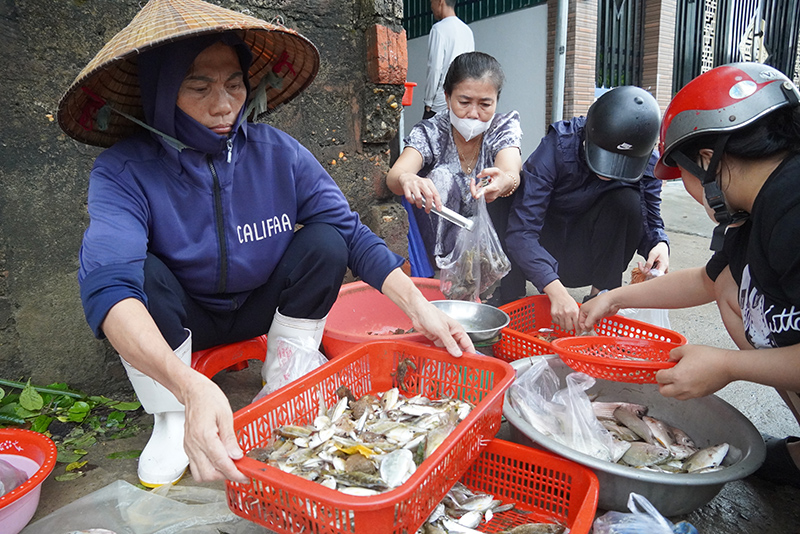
[
  {"x": 290, "y": 504},
  {"x": 530, "y": 314},
  {"x": 549, "y": 488}
]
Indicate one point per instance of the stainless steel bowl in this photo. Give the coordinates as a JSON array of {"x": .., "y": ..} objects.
[
  {"x": 481, "y": 321},
  {"x": 708, "y": 420}
]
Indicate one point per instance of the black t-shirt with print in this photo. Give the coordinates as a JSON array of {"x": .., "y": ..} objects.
[{"x": 764, "y": 257}]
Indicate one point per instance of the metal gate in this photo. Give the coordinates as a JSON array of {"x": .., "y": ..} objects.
[
  {"x": 620, "y": 30},
  {"x": 709, "y": 33}
]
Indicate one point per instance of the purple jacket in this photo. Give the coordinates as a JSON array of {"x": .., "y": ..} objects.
[{"x": 220, "y": 215}]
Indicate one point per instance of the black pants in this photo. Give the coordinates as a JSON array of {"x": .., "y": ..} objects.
[
  {"x": 597, "y": 246},
  {"x": 512, "y": 286},
  {"x": 304, "y": 284}
]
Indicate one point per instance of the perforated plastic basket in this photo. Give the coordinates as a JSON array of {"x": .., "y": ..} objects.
[
  {"x": 615, "y": 358},
  {"x": 531, "y": 314},
  {"x": 543, "y": 487},
  {"x": 287, "y": 503}
]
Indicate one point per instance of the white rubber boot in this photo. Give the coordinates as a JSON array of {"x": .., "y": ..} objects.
[
  {"x": 163, "y": 460},
  {"x": 306, "y": 333}
]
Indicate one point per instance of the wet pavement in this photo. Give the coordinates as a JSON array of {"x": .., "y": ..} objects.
[{"x": 748, "y": 506}]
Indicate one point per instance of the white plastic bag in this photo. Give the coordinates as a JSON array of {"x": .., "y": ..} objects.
[
  {"x": 125, "y": 509},
  {"x": 286, "y": 364},
  {"x": 646, "y": 520},
  {"x": 653, "y": 316},
  {"x": 565, "y": 414},
  {"x": 477, "y": 260},
  {"x": 10, "y": 477}
]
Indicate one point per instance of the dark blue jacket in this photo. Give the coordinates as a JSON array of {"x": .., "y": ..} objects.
[
  {"x": 220, "y": 225},
  {"x": 557, "y": 185}
]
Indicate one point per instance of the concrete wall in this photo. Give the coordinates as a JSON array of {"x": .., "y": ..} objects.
[
  {"x": 519, "y": 42},
  {"x": 344, "y": 118}
]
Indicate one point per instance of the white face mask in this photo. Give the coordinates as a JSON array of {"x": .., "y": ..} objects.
[{"x": 469, "y": 128}]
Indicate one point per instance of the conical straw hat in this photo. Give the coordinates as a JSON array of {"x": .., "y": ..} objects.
[{"x": 112, "y": 74}]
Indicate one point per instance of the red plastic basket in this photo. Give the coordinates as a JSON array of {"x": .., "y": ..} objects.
[
  {"x": 18, "y": 506},
  {"x": 619, "y": 359},
  {"x": 360, "y": 308},
  {"x": 287, "y": 503},
  {"x": 530, "y": 314},
  {"x": 544, "y": 487}
]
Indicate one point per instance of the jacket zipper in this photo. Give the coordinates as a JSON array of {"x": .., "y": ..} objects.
[{"x": 223, "y": 249}]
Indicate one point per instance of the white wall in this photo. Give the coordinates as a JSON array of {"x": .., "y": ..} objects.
[{"x": 519, "y": 42}]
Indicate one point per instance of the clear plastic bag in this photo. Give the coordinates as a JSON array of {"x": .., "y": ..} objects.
[
  {"x": 654, "y": 316},
  {"x": 10, "y": 477},
  {"x": 566, "y": 415},
  {"x": 477, "y": 260},
  {"x": 643, "y": 519},
  {"x": 288, "y": 363},
  {"x": 122, "y": 508}
]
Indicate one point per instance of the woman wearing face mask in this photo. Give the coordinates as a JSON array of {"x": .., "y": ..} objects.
[{"x": 452, "y": 158}]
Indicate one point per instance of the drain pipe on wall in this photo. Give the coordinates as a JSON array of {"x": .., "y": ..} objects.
[{"x": 559, "y": 65}]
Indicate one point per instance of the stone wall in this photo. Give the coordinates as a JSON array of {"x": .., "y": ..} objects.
[{"x": 347, "y": 118}]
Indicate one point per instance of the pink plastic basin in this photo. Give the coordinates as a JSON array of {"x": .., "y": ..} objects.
[
  {"x": 35, "y": 454},
  {"x": 362, "y": 314}
]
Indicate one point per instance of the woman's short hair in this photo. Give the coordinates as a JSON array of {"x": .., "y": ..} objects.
[{"x": 473, "y": 65}]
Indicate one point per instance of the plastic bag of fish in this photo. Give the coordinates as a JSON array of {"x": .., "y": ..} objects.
[
  {"x": 613, "y": 431},
  {"x": 364, "y": 446},
  {"x": 566, "y": 414}
]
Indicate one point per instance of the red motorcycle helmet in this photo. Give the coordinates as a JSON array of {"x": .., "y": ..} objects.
[{"x": 721, "y": 100}]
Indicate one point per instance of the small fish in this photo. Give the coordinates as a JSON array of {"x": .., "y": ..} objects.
[
  {"x": 682, "y": 438},
  {"x": 397, "y": 467},
  {"x": 605, "y": 410},
  {"x": 660, "y": 431},
  {"x": 645, "y": 454},
  {"x": 621, "y": 432},
  {"x": 432, "y": 528},
  {"x": 681, "y": 452},
  {"x": 630, "y": 419},
  {"x": 707, "y": 458},
  {"x": 478, "y": 503},
  {"x": 294, "y": 431},
  {"x": 536, "y": 528},
  {"x": 471, "y": 519}
]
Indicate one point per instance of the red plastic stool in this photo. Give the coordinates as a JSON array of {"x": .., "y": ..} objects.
[{"x": 231, "y": 357}]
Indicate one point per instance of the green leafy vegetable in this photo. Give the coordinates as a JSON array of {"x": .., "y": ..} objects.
[{"x": 30, "y": 398}]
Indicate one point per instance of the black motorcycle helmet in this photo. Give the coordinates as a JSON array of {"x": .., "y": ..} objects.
[{"x": 621, "y": 133}]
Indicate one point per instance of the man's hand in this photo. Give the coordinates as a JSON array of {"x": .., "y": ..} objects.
[
  {"x": 563, "y": 308},
  {"x": 658, "y": 258},
  {"x": 432, "y": 322},
  {"x": 210, "y": 441}
]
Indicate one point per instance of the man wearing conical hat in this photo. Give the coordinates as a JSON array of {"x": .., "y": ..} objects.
[{"x": 193, "y": 211}]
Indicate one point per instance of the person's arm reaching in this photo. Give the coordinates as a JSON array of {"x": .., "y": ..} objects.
[
  {"x": 209, "y": 441},
  {"x": 402, "y": 179},
  {"x": 426, "y": 318},
  {"x": 679, "y": 289}
]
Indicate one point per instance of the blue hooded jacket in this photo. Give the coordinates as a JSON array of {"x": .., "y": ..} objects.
[{"x": 220, "y": 214}]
